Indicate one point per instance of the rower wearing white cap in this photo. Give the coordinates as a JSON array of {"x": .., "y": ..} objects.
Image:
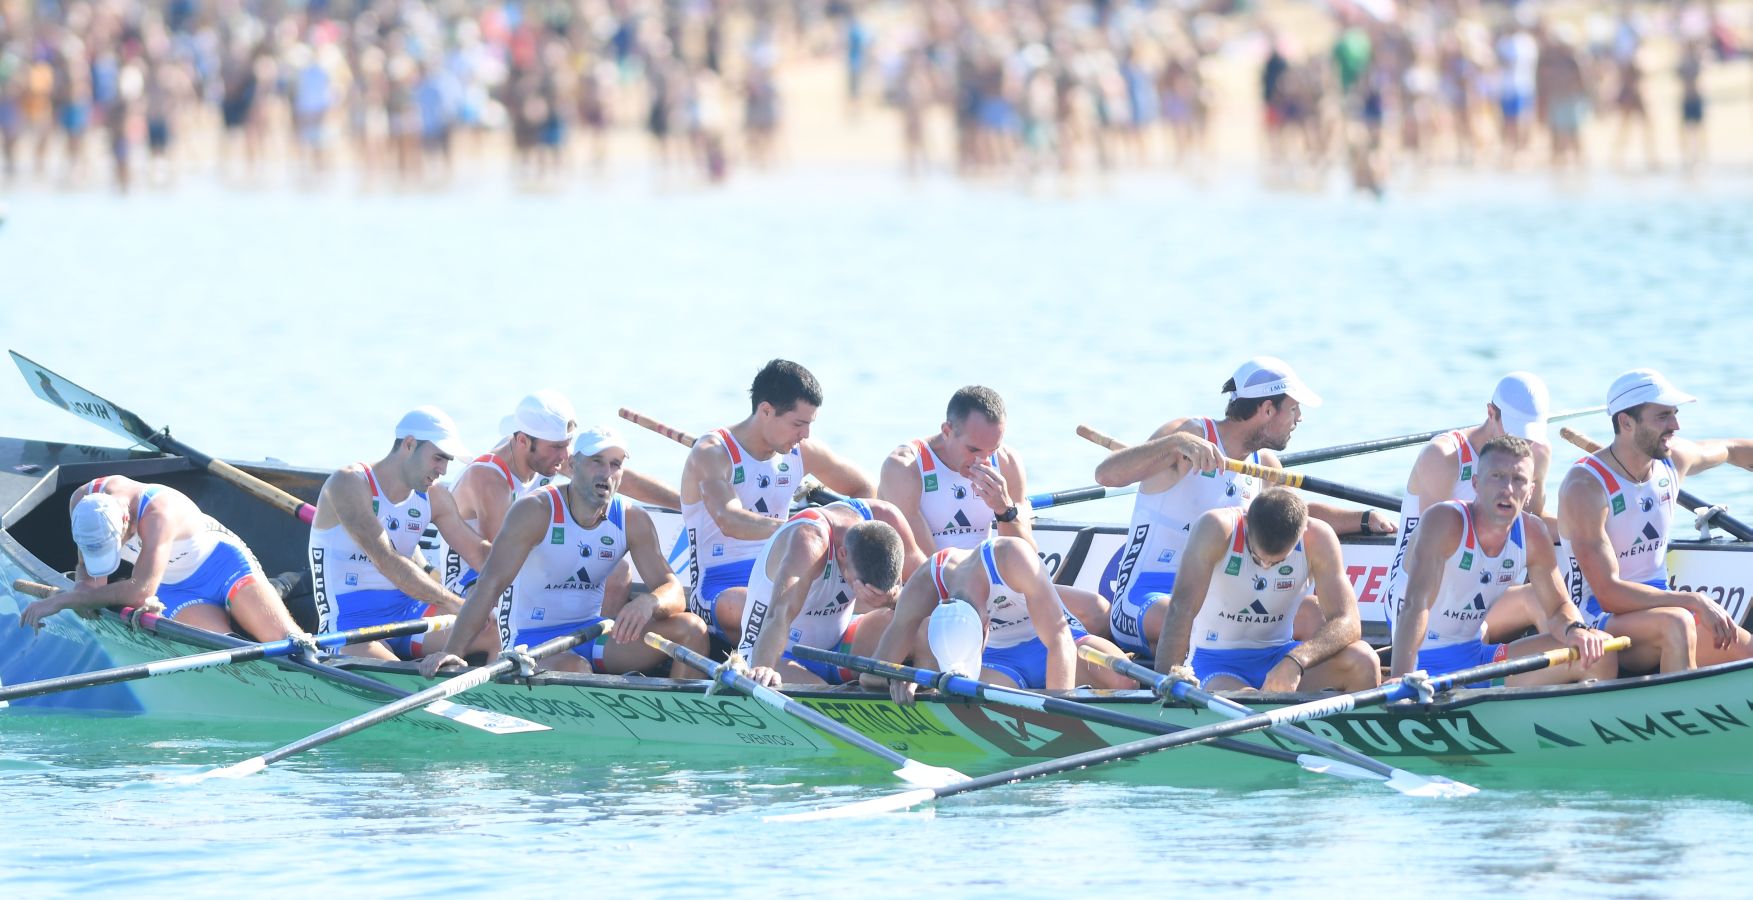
[
  {"x": 1181, "y": 476},
  {"x": 365, "y": 541},
  {"x": 1614, "y": 511},
  {"x": 549, "y": 572},
  {"x": 738, "y": 482},
  {"x": 194, "y": 565},
  {"x": 1445, "y": 471}
]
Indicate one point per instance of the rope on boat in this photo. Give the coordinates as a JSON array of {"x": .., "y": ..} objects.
[
  {"x": 526, "y": 664},
  {"x": 1419, "y": 681}
]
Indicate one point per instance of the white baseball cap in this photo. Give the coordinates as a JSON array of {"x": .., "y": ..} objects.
[
  {"x": 592, "y": 441},
  {"x": 1269, "y": 376},
  {"x": 1644, "y": 386},
  {"x": 429, "y": 423},
  {"x": 956, "y": 637},
  {"x": 1523, "y": 403},
  {"x": 98, "y": 530},
  {"x": 546, "y": 415}
]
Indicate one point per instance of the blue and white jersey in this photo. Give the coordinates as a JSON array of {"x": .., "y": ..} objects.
[
  {"x": 1162, "y": 522},
  {"x": 827, "y": 608},
  {"x": 562, "y": 580},
  {"x": 1472, "y": 582},
  {"x": 1248, "y": 605},
  {"x": 956, "y": 515}
]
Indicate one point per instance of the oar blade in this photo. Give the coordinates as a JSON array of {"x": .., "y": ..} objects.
[
  {"x": 1321, "y": 765},
  {"x": 81, "y": 402},
  {"x": 875, "y": 806},
  {"x": 928, "y": 776},
  {"x": 236, "y": 770},
  {"x": 1415, "y": 785},
  {"x": 483, "y": 719}
]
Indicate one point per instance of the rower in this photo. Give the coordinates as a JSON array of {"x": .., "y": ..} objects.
[
  {"x": 533, "y": 454},
  {"x": 1030, "y": 640},
  {"x": 1615, "y": 507},
  {"x": 1446, "y": 469},
  {"x": 810, "y": 582},
  {"x": 964, "y": 483},
  {"x": 1467, "y": 556},
  {"x": 365, "y": 562},
  {"x": 551, "y": 562},
  {"x": 1243, "y": 577},
  {"x": 1181, "y": 475},
  {"x": 203, "y": 574},
  {"x": 738, "y": 482}
]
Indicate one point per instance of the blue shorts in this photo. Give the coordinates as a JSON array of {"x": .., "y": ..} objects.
[
  {"x": 715, "y": 580},
  {"x": 1466, "y": 655},
  {"x": 1024, "y": 663},
  {"x": 1595, "y": 617},
  {"x": 828, "y": 672},
  {"x": 381, "y": 607},
  {"x": 1126, "y": 618},
  {"x": 218, "y": 579},
  {"x": 1250, "y": 664},
  {"x": 591, "y": 651}
]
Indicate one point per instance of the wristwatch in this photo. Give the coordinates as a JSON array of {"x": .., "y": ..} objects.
[{"x": 1009, "y": 514}]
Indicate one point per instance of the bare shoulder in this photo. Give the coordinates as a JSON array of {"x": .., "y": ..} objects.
[
  {"x": 906, "y": 454},
  {"x": 1318, "y": 534},
  {"x": 1188, "y": 424}
]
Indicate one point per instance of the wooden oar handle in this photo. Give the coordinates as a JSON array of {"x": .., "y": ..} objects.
[
  {"x": 33, "y": 588},
  {"x": 1264, "y": 473},
  {"x": 1581, "y": 440},
  {"x": 263, "y": 491},
  {"x": 1100, "y": 439},
  {"x": 680, "y": 437}
]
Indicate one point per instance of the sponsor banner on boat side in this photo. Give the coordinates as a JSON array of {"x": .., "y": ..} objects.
[
  {"x": 1026, "y": 732},
  {"x": 1389, "y": 734},
  {"x": 907, "y": 729},
  {"x": 1645, "y": 726}
]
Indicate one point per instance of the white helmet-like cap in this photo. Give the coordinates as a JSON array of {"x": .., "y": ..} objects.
[{"x": 957, "y": 637}]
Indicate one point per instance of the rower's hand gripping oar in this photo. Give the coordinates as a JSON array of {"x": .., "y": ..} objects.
[
  {"x": 910, "y": 770},
  {"x": 116, "y": 420},
  {"x": 264, "y": 650},
  {"x": 1268, "y": 473},
  {"x": 518, "y": 660},
  {"x": 1165, "y": 687},
  {"x": 963, "y": 686},
  {"x": 1409, "y": 688},
  {"x": 1708, "y": 514}
]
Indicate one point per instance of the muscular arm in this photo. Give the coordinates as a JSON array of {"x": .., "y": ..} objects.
[
  {"x": 154, "y": 530},
  {"x": 709, "y": 468},
  {"x": 466, "y": 541},
  {"x": 1205, "y": 546},
  {"x": 525, "y": 525},
  {"x": 1582, "y": 520},
  {"x": 1157, "y": 464},
  {"x": 647, "y": 489},
  {"x": 1433, "y": 542},
  {"x": 663, "y": 595},
  {"x": 836, "y": 473},
  {"x": 1554, "y": 601},
  {"x": 347, "y": 495},
  {"x": 1333, "y": 595},
  {"x": 1010, "y": 490},
  {"x": 801, "y": 557},
  {"x": 916, "y": 602},
  {"x": 1692, "y": 457},
  {"x": 1020, "y": 566},
  {"x": 899, "y": 484}
]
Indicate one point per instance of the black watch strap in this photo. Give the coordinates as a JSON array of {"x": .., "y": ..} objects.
[{"x": 1009, "y": 514}]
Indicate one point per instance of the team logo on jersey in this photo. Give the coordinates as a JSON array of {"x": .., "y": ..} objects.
[
  {"x": 1646, "y": 504},
  {"x": 762, "y": 481},
  {"x": 1166, "y": 556},
  {"x": 1618, "y": 504},
  {"x": 959, "y": 523},
  {"x": 1509, "y": 563},
  {"x": 608, "y": 540},
  {"x": 1662, "y": 483},
  {"x": 558, "y": 535},
  {"x": 582, "y": 576},
  {"x": 1283, "y": 584},
  {"x": 783, "y": 467},
  {"x": 352, "y": 578},
  {"x": 605, "y": 554},
  {"x": 717, "y": 549},
  {"x": 394, "y": 524},
  {"x": 960, "y": 491},
  {"x": 1259, "y": 583},
  {"x": 736, "y": 475},
  {"x": 415, "y": 527},
  {"x": 1254, "y": 613},
  {"x": 1467, "y": 472},
  {"x": 930, "y": 483},
  {"x": 1230, "y": 491},
  {"x": 784, "y": 480},
  {"x": 1235, "y": 566},
  {"x": 1212, "y": 473},
  {"x": 413, "y": 514},
  {"x": 1484, "y": 577},
  {"x": 374, "y": 507},
  {"x": 1504, "y": 578},
  {"x": 1467, "y": 561},
  {"x": 1284, "y": 570},
  {"x": 761, "y": 506}
]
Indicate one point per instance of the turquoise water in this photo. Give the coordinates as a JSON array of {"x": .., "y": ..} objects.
[{"x": 301, "y": 325}]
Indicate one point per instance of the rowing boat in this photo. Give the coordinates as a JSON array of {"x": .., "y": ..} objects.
[{"x": 1638, "y": 723}]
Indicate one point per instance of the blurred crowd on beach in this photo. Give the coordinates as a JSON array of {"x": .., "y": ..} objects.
[{"x": 123, "y": 93}]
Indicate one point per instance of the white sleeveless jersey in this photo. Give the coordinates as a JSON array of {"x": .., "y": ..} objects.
[
  {"x": 827, "y": 608},
  {"x": 1161, "y": 522},
  {"x": 457, "y": 573},
  {"x": 763, "y": 486},
  {"x": 339, "y": 566},
  {"x": 562, "y": 580},
  {"x": 1007, "y": 611},
  {"x": 957, "y": 516},
  {"x": 1638, "y": 516},
  {"x": 186, "y": 554},
  {"x": 1472, "y": 582},
  {"x": 1466, "y": 463},
  {"x": 1247, "y": 606}
]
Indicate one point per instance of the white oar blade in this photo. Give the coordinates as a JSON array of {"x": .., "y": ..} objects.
[
  {"x": 482, "y": 719},
  {"x": 915, "y": 772},
  {"x": 1415, "y": 785},
  {"x": 875, "y": 806},
  {"x": 236, "y": 770},
  {"x": 1321, "y": 765}
]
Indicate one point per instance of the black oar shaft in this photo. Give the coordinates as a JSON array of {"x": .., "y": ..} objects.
[
  {"x": 1314, "y": 485},
  {"x": 1359, "y": 448}
]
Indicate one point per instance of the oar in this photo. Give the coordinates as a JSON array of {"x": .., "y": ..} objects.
[
  {"x": 910, "y": 770},
  {"x": 1163, "y": 686},
  {"x": 116, "y": 420},
  {"x": 1267, "y": 473},
  {"x": 265, "y": 650},
  {"x": 1341, "y": 451},
  {"x": 680, "y": 437},
  {"x": 1704, "y": 509},
  {"x": 470, "y": 716},
  {"x": 1405, "y": 689},
  {"x": 980, "y": 690},
  {"x": 508, "y": 663},
  {"x": 1079, "y": 495}
]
